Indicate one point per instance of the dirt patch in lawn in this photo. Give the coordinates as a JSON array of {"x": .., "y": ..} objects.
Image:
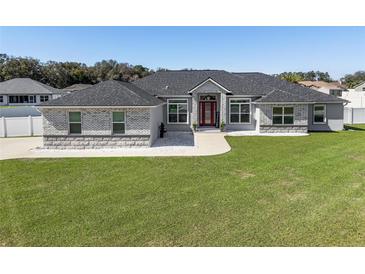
[
  {"x": 294, "y": 197},
  {"x": 357, "y": 157},
  {"x": 243, "y": 175}
]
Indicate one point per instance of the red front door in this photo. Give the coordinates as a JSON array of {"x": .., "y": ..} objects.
[{"x": 207, "y": 113}]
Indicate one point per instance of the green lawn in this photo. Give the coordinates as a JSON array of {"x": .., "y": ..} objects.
[{"x": 268, "y": 191}]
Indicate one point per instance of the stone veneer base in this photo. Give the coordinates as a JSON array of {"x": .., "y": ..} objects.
[
  {"x": 283, "y": 129},
  {"x": 94, "y": 142}
]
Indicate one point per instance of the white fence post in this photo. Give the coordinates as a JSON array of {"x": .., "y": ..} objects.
[
  {"x": 30, "y": 125},
  {"x": 3, "y": 126}
]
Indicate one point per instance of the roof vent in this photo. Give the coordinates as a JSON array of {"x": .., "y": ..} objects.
[{"x": 166, "y": 87}]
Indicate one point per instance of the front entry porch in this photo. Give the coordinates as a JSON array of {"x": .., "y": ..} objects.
[{"x": 208, "y": 111}]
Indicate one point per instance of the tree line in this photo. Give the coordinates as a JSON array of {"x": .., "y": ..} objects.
[
  {"x": 64, "y": 74},
  {"x": 352, "y": 80},
  {"x": 296, "y": 77},
  {"x": 349, "y": 80}
]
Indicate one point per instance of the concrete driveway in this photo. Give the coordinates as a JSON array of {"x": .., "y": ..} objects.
[{"x": 199, "y": 144}]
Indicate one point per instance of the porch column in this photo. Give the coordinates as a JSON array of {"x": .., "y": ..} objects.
[
  {"x": 257, "y": 118},
  {"x": 223, "y": 109},
  {"x": 194, "y": 111}
]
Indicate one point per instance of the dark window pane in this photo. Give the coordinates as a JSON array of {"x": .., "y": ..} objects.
[
  {"x": 235, "y": 108},
  {"x": 288, "y": 120},
  {"x": 183, "y": 109},
  {"x": 235, "y": 118},
  {"x": 245, "y": 108},
  {"x": 277, "y": 110},
  {"x": 240, "y": 101},
  {"x": 318, "y": 118},
  {"x": 173, "y": 108},
  {"x": 318, "y": 108},
  {"x": 75, "y": 117},
  {"x": 245, "y": 118},
  {"x": 288, "y": 110},
  {"x": 172, "y": 118},
  {"x": 183, "y": 118},
  {"x": 75, "y": 128},
  {"x": 118, "y": 128},
  {"x": 118, "y": 116},
  {"x": 178, "y": 101},
  {"x": 277, "y": 120}
]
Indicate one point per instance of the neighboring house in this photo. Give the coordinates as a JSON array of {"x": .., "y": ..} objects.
[
  {"x": 76, "y": 87},
  {"x": 25, "y": 91},
  {"x": 360, "y": 87},
  {"x": 114, "y": 114},
  {"x": 332, "y": 88},
  {"x": 355, "y": 96}
]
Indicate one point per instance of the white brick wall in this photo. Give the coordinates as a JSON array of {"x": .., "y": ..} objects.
[
  {"x": 96, "y": 121},
  {"x": 96, "y": 128},
  {"x": 138, "y": 122},
  {"x": 55, "y": 122}
]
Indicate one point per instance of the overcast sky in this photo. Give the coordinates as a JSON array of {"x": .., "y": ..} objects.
[{"x": 338, "y": 50}]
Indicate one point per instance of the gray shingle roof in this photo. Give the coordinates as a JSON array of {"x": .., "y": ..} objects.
[
  {"x": 108, "y": 93},
  {"x": 180, "y": 82},
  {"x": 76, "y": 87},
  {"x": 26, "y": 86},
  {"x": 278, "y": 95},
  {"x": 250, "y": 83}
]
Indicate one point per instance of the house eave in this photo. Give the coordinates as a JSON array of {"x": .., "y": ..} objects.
[
  {"x": 111, "y": 107},
  {"x": 301, "y": 103},
  {"x": 209, "y": 80}
]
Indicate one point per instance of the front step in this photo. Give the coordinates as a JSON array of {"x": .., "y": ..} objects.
[{"x": 208, "y": 129}]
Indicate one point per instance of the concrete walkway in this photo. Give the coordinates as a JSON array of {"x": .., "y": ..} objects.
[
  {"x": 202, "y": 144},
  {"x": 255, "y": 133}
]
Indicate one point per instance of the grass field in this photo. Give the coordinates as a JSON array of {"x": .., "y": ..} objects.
[{"x": 268, "y": 191}]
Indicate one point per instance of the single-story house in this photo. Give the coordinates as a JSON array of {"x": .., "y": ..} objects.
[
  {"x": 332, "y": 88},
  {"x": 26, "y": 92},
  {"x": 114, "y": 113}
]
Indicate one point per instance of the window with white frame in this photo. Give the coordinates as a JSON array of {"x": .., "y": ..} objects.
[
  {"x": 177, "y": 111},
  {"x": 1, "y": 99},
  {"x": 119, "y": 122},
  {"x": 74, "y": 121},
  {"x": 44, "y": 98},
  {"x": 21, "y": 99},
  {"x": 319, "y": 114},
  {"x": 32, "y": 99},
  {"x": 336, "y": 92},
  {"x": 283, "y": 115},
  {"x": 239, "y": 111}
]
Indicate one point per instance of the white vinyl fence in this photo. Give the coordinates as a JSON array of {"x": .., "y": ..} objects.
[
  {"x": 354, "y": 115},
  {"x": 21, "y": 126}
]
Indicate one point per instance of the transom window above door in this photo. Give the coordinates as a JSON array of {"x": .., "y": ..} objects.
[
  {"x": 208, "y": 98},
  {"x": 177, "y": 111}
]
